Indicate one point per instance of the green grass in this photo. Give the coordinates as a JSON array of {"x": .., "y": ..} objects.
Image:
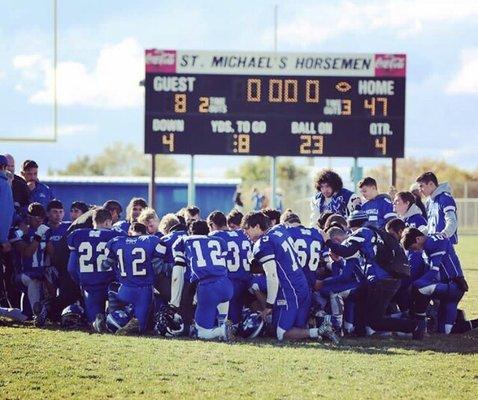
[{"x": 54, "y": 364}]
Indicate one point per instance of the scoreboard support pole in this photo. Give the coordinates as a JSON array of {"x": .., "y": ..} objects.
[
  {"x": 152, "y": 183},
  {"x": 273, "y": 182},
  {"x": 355, "y": 173},
  {"x": 394, "y": 172},
  {"x": 274, "y": 159},
  {"x": 191, "y": 187}
]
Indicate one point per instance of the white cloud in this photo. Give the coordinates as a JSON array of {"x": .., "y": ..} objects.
[
  {"x": 112, "y": 84},
  {"x": 404, "y": 18},
  {"x": 466, "y": 80}
]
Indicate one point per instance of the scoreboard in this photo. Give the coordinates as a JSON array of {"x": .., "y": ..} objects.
[{"x": 274, "y": 104}]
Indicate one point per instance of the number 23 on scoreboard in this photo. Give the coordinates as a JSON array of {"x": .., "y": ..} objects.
[{"x": 311, "y": 144}]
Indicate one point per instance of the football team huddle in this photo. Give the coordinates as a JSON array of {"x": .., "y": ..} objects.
[{"x": 368, "y": 264}]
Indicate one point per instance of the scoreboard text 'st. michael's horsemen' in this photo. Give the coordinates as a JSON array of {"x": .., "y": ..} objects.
[{"x": 274, "y": 104}]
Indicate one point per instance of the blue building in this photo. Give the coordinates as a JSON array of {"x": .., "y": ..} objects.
[{"x": 171, "y": 193}]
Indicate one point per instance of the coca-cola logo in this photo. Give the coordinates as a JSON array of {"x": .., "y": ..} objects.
[
  {"x": 390, "y": 62},
  {"x": 161, "y": 58},
  {"x": 390, "y": 65}
]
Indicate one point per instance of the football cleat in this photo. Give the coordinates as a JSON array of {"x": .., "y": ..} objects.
[
  {"x": 99, "y": 324},
  {"x": 420, "y": 329},
  {"x": 168, "y": 322},
  {"x": 326, "y": 330},
  {"x": 229, "y": 332},
  {"x": 131, "y": 328},
  {"x": 73, "y": 317}
]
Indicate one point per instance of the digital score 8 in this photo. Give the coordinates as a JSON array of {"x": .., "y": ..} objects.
[
  {"x": 241, "y": 143},
  {"x": 282, "y": 90}
]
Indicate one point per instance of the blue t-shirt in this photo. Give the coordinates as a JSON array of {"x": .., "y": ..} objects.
[
  {"x": 87, "y": 252},
  {"x": 205, "y": 256},
  {"x": 278, "y": 245},
  {"x": 442, "y": 257},
  {"x": 134, "y": 257},
  {"x": 310, "y": 248},
  {"x": 239, "y": 251},
  {"x": 41, "y": 194},
  {"x": 379, "y": 210}
]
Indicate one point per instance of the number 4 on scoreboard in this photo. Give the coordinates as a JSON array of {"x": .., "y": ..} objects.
[
  {"x": 381, "y": 144},
  {"x": 168, "y": 141}
]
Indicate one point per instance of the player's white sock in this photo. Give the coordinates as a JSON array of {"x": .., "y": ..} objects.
[
  {"x": 314, "y": 333},
  {"x": 222, "y": 310},
  {"x": 448, "y": 328},
  {"x": 218, "y": 332},
  {"x": 348, "y": 327}
]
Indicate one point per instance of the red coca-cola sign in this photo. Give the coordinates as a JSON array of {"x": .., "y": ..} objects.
[
  {"x": 390, "y": 64},
  {"x": 160, "y": 61}
]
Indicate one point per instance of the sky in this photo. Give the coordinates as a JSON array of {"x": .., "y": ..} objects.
[{"x": 100, "y": 63}]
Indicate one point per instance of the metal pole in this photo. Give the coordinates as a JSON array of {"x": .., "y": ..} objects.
[
  {"x": 191, "y": 188},
  {"x": 274, "y": 159},
  {"x": 55, "y": 64},
  {"x": 394, "y": 172},
  {"x": 355, "y": 177},
  {"x": 273, "y": 182},
  {"x": 152, "y": 183}
]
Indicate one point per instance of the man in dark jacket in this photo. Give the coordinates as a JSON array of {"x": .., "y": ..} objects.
[{"x": 19, "y": 185}]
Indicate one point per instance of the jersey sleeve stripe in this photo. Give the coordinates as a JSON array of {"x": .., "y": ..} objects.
[
  {"x": 356, "y": 239},
  {"x": 438, "y": 253},
  {"x": 267, "y": 258},
  {"x": 449, "y": 208}
]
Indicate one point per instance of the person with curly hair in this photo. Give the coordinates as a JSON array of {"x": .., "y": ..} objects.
[{"x": 332, "y": 196}]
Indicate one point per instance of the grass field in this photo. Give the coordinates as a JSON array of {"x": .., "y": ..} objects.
[{"x": 54, "y": 364}]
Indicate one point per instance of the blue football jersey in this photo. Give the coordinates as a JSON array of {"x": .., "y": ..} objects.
[
  {"x": 365, "y": 239},
  {"x": 239, "y": 251},
  {"x": 379, "y": 210},
  {"x": 418, "y": 266},
  {"x": 39, "y": 259},
  {"x": 278, "y": 245},
  {"x": 416, "y": 221},
  {"x": 168, "y": 242},
  {"x": 205, "y": 256},
  {"x": 134, "y": 257},
  {"x": 439, "y": 203},
  {"x": 340, "y": 203},
  {"x": 90, "y": 248},
  {"x": 442, "y": 257},
  {"x": 122, "y": 225},
  {"x": 310, "y": 248},
  {"x": 54, "y": 235}
]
